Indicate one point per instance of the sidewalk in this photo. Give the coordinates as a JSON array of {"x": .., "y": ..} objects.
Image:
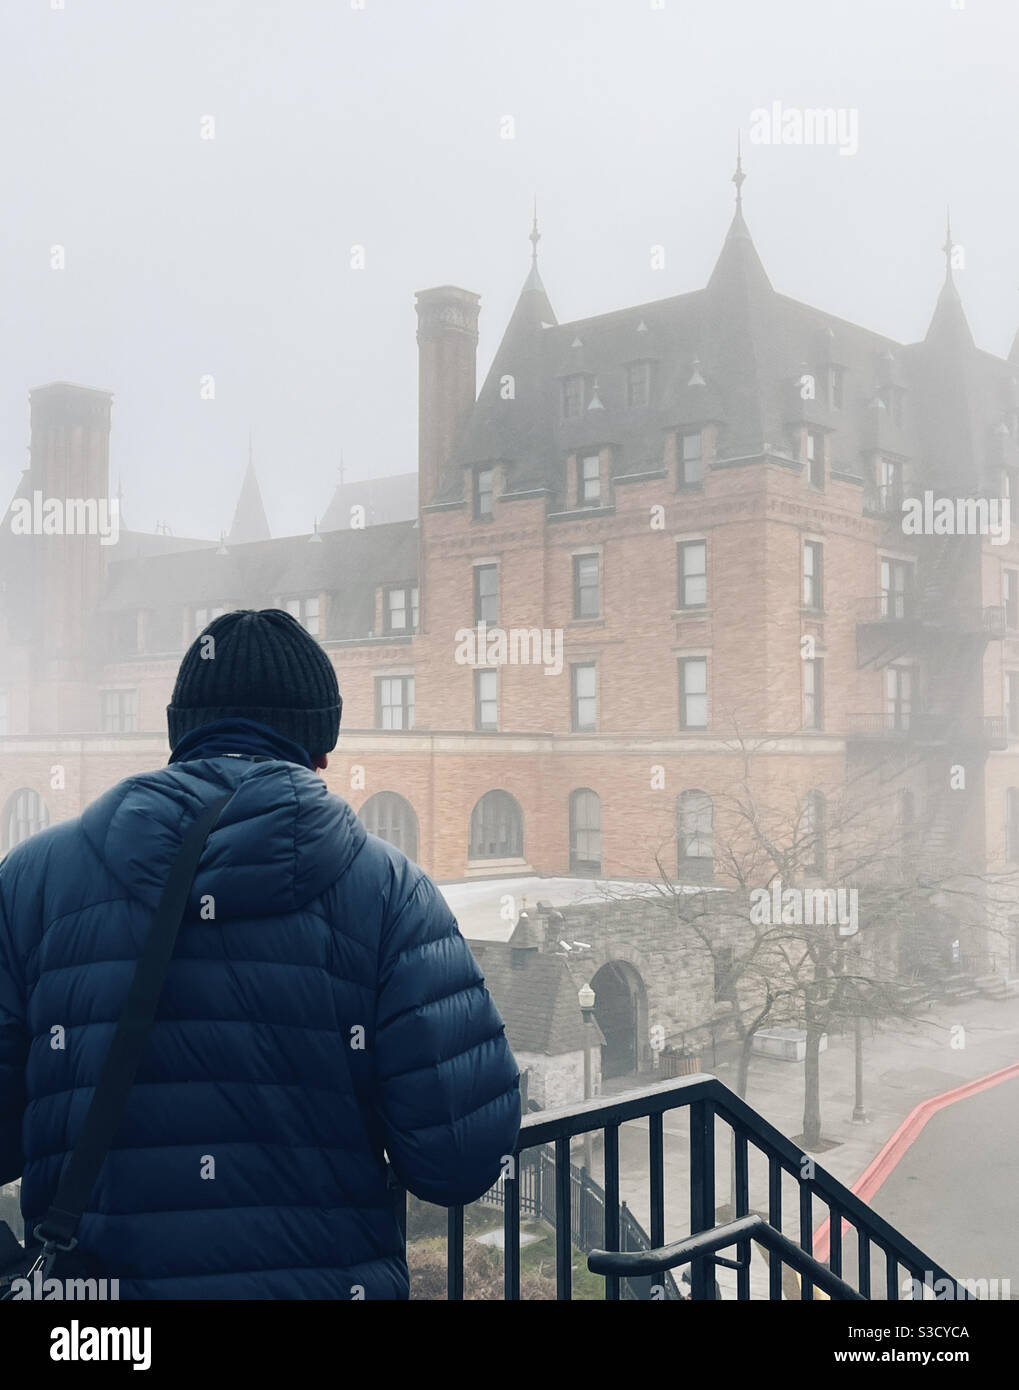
[{"x": 903, "y": 1066}]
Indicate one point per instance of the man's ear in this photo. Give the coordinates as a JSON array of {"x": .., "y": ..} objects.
[{"x": 320, "y": 761}]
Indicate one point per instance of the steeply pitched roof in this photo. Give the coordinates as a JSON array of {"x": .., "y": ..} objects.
[
  {"x": 537, "y": 1000},
  {"x": 393, "y": 498},
  {"x": 348, "y": 565},
  {"x": 250, "y": 522}
]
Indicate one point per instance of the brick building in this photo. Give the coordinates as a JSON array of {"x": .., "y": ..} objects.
[{"x": 674, "y": 528}]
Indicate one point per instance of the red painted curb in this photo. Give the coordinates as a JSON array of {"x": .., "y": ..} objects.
[{"x": 880, "y": 1166}]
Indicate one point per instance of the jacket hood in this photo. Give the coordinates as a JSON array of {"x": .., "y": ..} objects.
[{"x": 279, "y": 843}]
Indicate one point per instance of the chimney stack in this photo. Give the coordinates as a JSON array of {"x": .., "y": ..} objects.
[{"x": 447, "y": 378}]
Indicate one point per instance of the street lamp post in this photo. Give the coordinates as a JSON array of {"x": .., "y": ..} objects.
[
  {"x": 586, "y": 997},
  {"x": 860, "y": 1116}
]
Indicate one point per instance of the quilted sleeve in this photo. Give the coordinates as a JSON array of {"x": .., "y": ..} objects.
[
  {"x": 449, "y": 1096},
  {"x": 13, "y": 1052}
]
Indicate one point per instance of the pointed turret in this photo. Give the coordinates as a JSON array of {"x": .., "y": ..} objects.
[
  {"x": 949, "y": 393},
  {"x": 738, "y": 265},
  {"x": 949, "y": 327},
  {"x": 1013, "y": 356},
  {"x": 250, "y": 522},
  {"x": 739, "y": 297},
  {"x": 508, "y": 421}
]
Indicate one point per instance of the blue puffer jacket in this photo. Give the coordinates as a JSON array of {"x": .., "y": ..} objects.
[{"x": 330, "y": 1010}]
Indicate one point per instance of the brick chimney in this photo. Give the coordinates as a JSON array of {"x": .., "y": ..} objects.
[
  {"x": 447, "y": 378},
  {"x": 69, "y": 458}
]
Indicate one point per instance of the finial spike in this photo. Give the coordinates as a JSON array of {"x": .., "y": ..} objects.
[
  {"x": 739, "y": 177},
  {"x": 535, "y": 235},
  {"x": 949, "y": 245}
]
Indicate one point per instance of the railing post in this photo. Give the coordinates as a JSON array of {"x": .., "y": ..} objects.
[
  {"x": 612, "y": 1204},
  {"x": 563, "y": 1237},
  {"x": 702, "y": 1193},
  {"x": 455, "y": 1254},
  {"x": 511, "y": 1231}
]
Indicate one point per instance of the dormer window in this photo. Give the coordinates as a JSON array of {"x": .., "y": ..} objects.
[
  {"x": 691, "y": 460},
  {"x": 892, "y": 396},
  {"x": 638, "y": 385},
  {"x": 484, "y": 493},
  {"x": 836, "y": 387},
  {"x": 815, "y": 458},
  {"x": 202, "y": 617},
  {"x": 400, "y": 608},
  {"x": 574, "y": 398},
  {"x": 306, "y": 611},
  {"x": 589, "y": 480}
]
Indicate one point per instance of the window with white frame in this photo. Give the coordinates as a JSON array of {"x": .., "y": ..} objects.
[
  {"x": 119, "y": 709},
  {"x": 306, "y": 610}
]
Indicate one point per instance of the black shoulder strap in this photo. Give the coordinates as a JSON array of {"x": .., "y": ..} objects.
[{"x": 109, "y": 1099}]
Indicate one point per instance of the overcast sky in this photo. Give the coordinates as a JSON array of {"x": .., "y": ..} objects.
[{"x": 382, "y": 127}]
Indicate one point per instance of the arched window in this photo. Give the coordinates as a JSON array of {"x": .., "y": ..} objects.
[
  {"x": 585, "y": 832},
  {"x": 392, "y": 818},
  {"x": 25, "y": 814},
  {"x": 497, "y": 828},
  {"x": 695, "y": 835},
  {"x": 1012, "y": 825},
  {"x": 812, "y": 834}
]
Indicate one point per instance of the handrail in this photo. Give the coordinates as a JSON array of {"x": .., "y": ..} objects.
[
  {"x": 633, "y": 1263},
  {"x": 570, "y": 1121},
  {"x": 706, "y": 1099}
]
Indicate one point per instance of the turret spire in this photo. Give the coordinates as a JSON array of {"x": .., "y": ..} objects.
[{"x": 739, "y": 178}]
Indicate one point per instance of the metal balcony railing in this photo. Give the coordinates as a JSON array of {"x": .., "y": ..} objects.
[
  {"x": 747, "y": 1135},
  {"x": 929, "y": 728},
  {"x": 901, "y": 607}
]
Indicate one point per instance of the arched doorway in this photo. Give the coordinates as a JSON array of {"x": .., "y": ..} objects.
[{"x": 620, "y": 1008}]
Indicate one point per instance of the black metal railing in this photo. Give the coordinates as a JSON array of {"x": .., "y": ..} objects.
[
  {"x": 819, "y": 1197},
  {"x": 538, "y": 1189}
]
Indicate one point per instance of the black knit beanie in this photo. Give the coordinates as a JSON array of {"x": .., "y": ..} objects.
[{"x": 262, "y": 666}]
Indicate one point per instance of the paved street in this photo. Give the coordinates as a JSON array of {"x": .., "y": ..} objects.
[{"x": 968, "y": 1152}]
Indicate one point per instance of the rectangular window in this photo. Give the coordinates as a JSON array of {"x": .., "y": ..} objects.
[
  {"x": 400, "y": 609},
  {"x": 889, "y": 485},
  {"x": 203, "y": 617},
  {"x": 305, "y": 610},
  {"x": 486, "y": 593},
  {"x": 394, "y": 702},
  {"x": 813, "y": 694},
  {"x": 638, "y": 384},
  {"x": 693, "y": 574},
  {"x": 691, "y": 460},
  {"x": 1012, "y": 704},
  {"x": 836, "y": 387},
  {"x": 584, "y": 695},
  {"x": 1010, "y": 598},
  {"x": 896, "y": 589},
  {"x": 898, "y": 697},
  {"x": 586, "y": 586},
  {"x": 813, "y": 575},
  {"x": 693, "y": 692},
  {"x": 574, "y": 393},
  {"x": 589, "y": 480},
  {"x": 485, "y": 700},
  {"x": 484, "y": 491},
  {"x": 815, "y": 458},
  {"x": 120, "y": 711}
]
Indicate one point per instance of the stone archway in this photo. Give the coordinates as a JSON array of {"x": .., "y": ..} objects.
[{"x": 621, "y": 1012}]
